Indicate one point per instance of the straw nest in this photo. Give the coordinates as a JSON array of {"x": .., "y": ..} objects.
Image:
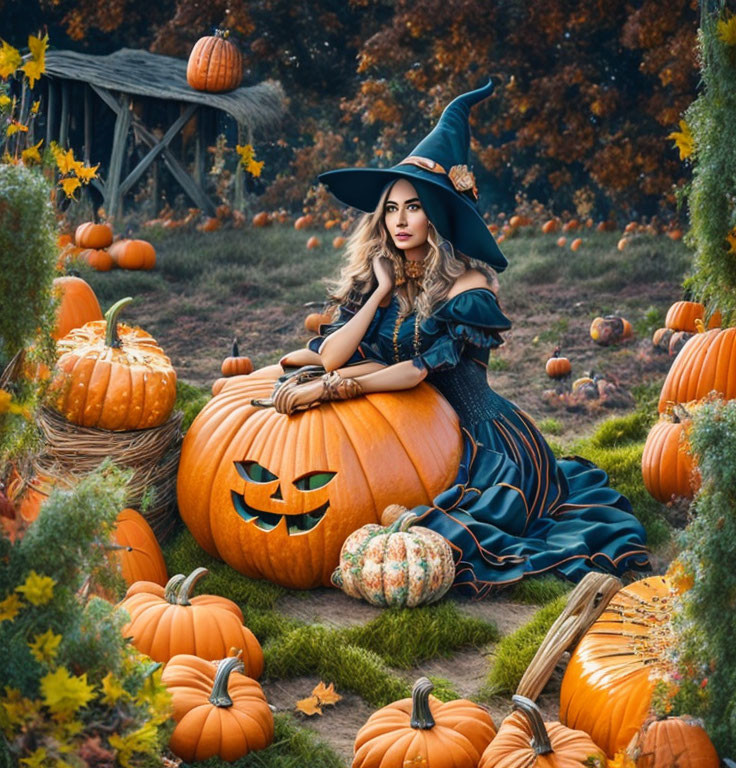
[{"x": 71, "y": 451}]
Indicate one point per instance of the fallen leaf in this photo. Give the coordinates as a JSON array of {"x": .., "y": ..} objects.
[
  {"x": 309, "y": 706},
  {"x": 326, "y": 694}
]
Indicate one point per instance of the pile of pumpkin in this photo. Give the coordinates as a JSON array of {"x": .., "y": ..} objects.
[
  {"x": 702, "y": 368},
  {"x": 93, "y": 245}
]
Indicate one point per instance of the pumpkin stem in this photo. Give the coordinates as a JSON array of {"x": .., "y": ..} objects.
[
  {"x": 182, "y": 597},
  {"x": 540, "y": 738},
  {"x": 111, "y": 317},
  {"x": 220, "y": 696},
  {"x": 421, "y": 714},
  {"x": 235, "y": 351},
  {"x": 172, "y": 587},
  {"x": 403, "y": 523}
]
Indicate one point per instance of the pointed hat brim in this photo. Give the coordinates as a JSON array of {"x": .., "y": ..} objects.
[{"x": 453, "y": 215}]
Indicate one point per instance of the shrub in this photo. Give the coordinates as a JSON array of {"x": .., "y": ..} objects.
[{"x": 705, "y": 619}]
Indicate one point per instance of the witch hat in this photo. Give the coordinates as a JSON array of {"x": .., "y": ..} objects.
[{"x": 438, "y": 168}]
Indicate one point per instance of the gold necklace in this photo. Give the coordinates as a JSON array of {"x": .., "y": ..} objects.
[
  {"x": 414, "y": 270},
  {"x": 417, "y": 341}
]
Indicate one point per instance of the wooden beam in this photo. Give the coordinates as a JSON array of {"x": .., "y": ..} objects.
[
  {"x": 64, "y": 124},
  {"x": 178, "y": 172},
  {"x": 87, "y": 125},
  {"x": 200, "y": 148},
  {"x": 113, "y": 200},
  {"x": 107, "y": 97},
  {"x": 50, "y": 108},
  {"x": 154, "y": 152}
]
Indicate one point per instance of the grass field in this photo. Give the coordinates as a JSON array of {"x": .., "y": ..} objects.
[{"x": 253, "y": 283}]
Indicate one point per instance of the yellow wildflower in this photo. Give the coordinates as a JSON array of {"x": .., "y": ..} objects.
[
  {"x": 18, "y": 709},
  {"x": 10, "y": 60},
  {"x": 70, "y": 185},
  {"x": 112, "y": 690},
  {"x": 255, "y": 168},
  {"x": 37, "y": 589},
  {"x": 727, "y": 30},
  {"x": 86, "y": 173},
  {"x": 144, "y": 739},
  {"x": 31, "y": 154},
  {"x": 15, "y": 127},
  {"x": 36, "y": 758},
  {"x": 730, "y": 239},
  {"x": 64, "y": 693},
  {"x": 9, "y": 608},
  {"x": 683, "y": 140},
  {"x": 5, "y": 100},
  {"x": 246, "y": 153},
  {"x": 44, "y": 647},
  {"x": 35, "y": 107},
  {"x": 65, "y": 160},
  {"x": 36, "y": 66}
]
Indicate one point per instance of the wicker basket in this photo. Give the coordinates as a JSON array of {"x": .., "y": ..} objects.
[{"x": 153, "y": 454}]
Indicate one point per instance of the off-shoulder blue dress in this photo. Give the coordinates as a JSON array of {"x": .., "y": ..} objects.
[{"x": 513, "y": 510}]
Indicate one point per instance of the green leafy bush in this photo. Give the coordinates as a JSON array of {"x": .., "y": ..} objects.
[
  {"x": 705, "y": 620},
  {"x": 71, "y": 683}
]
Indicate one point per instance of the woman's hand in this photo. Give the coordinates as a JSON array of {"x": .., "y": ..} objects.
[
  {"x": 384, "y": 275},
  {"x": 289, "y": 398}
]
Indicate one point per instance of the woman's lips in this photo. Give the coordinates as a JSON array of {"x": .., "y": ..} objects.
[{"x": 403, "y": 236}]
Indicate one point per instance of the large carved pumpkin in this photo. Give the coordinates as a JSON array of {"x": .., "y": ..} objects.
[
  {"x": 704, "y": 364},
  {"x": 608, "y": 684},
  {"x": 275, "y": 496}
]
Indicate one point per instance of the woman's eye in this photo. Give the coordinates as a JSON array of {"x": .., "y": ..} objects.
[
  {"x": 313, "y": 481},
  {"x": 251, "y": 470}
]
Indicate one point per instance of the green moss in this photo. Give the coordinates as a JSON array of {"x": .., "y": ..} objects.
[
  {"x": 515, "y": 651},
  {"x": 190, "y": 400},
  {"x": 550, "y": 426},
  {"x": 622, "y": 430},
  {"x": 408, "y": 636},
  {"x": 539, "y": 590},
  {"x": 293, "y": 747}
]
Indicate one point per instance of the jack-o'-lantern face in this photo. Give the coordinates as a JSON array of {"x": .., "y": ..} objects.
[
  {"x": 260, "y": 482},
  {"x": 275, "y": 496}
]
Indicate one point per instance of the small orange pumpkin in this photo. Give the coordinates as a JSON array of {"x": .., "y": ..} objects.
[
  {"x": 91, "y": 235},
  {"x": 561, "y": 242},
  {"x": 77, "y": 305},
  {"x": 303, "y": 222},
  {"x": 133, "y": 254},
  {"x": 661, "y": 338},
  {"x": 210, "y": 224},
  {"x": 423, "y": 730},
  {"x": 557, "y": 367},
  {"x": 610, "y": 329},
  {"x": 314, "y": 320},
  {"x": 163, "y": 626},
  {"x": 338, "y": 242},
  {"x": 576, "y": 243},
  {"x": 549, "y": 226},
  {"x": 215, "y": 64},
  {"x": 524, "y": 740},
  {"x": 313, "y": 242},
  {"x": 682, "y": 316},
  {"x": 235, "y": 365},
  {"x": 673, "y": 741},
  {"x": 261, "y": 219},
  {"x": 219, "y": 712},
  {"x": 139, "y": 555},
  {"x": 98, "y": 259}
]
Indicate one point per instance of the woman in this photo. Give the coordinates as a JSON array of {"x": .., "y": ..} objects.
[{"x": 417, "y": 301}]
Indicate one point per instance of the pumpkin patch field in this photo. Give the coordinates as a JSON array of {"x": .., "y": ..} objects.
[{"x": 258, "y": 286}]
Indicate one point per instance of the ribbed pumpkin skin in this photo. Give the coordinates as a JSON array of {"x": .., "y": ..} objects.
[
  {"x": 161, "y": 630},
  {"x": 681, "y": 316},
  {"x": 706, "y": 362},
  {"x": 77, "y": 305},
  {"x": 215, "y": 65},
  {"x": 91, "y": 235},
  {"x": 133, "y": 254},
  {"x": 236, "y": 366},
  {"x": 139, "y": 596},
  {"x": 146, "y": 561},
  {"x": 398, "y": 568},
  {"x": 666, "y": 466},
  {"x": 674, "y": 741},
  {"x": 383, "y": 448},
  {"x": 608, "y": 684},
  {"x": 512, "y": 747},
  {"x": 129, "y": 387},
  {"x": 462, "y": 731},
  {"x": 204, "y": 730}
]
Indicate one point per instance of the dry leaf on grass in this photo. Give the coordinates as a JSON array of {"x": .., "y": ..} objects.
[
  {"x": 326, "y": 694},
  {"x": 309, "y": 706}
]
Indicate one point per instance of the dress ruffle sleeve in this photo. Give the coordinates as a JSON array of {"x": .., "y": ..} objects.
[
  {"x": 470, "y": 319},
  {"x": 366, "y": 349}
]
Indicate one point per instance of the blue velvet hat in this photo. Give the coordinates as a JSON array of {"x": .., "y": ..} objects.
[{"x": 438, "y": 169}]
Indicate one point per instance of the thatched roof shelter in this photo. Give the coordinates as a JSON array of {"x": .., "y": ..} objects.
[
  {"x": 118, "y": 80},
  {"x": 141, "y": 73}
]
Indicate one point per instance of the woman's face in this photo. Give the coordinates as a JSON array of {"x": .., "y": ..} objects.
[{"x": 405, "y": 219}]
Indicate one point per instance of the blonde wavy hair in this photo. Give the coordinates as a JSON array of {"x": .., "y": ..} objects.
[{"x": 370, "y": 238}]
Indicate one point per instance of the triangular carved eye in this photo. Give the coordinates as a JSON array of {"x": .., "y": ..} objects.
[
  {"x": 313, "y": 480},
  {"x": 253, "y": 472}
]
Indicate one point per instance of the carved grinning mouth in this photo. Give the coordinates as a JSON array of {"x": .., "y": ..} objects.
[{"x": 267, "y": 521}]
